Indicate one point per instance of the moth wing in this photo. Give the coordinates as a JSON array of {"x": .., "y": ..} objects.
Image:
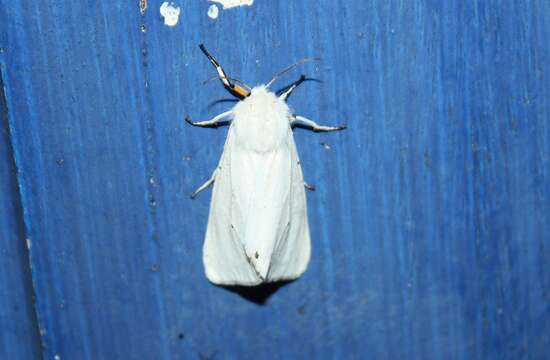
[
  {"x": 260, "y": 203},
  {"x": 257, "y": 229},
  {"x": 290, "y": 258},
  {"x": 223, "y": 256}
]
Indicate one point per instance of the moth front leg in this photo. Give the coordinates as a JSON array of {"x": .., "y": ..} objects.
[
  {"x": 300, "y": 120},
  {"x": 234, "y": 89},
  {"x": 286, "y": 94},
  {"x": 212, "y": 123}
]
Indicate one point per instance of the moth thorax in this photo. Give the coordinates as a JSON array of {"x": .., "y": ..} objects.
[{"x": 261, "y": 121}]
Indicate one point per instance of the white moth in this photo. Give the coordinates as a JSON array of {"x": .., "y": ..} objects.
[{"x": 257, "y": 228}]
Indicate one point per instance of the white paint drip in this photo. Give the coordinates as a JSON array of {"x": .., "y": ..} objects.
[
  {"x": 213, "y": 11},
  {"x": 170, "y": 12},
  {"x": 228, "y": 4}
]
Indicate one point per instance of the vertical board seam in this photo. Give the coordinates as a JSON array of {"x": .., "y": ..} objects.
[
  {"x": 151, "y": 181},
  {"x": 23, "y": 215}
]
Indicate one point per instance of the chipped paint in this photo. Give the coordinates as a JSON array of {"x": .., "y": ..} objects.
[
  {"x": 213, "y": 11},
  {"x": 228, "y": 4},
  {"x": 170, "y": 12},
  {"x": 142, "y": 6}
]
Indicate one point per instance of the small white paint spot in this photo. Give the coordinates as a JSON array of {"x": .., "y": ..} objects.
[
  {"x": 29, "y": 243},
  {"x": 142, "y": 6},
  {"x": 57, "y": 357},
  {"x": 228, "y": 4},
  {"x": 326, "y": 146},
  {"x": 170, "y": 12},
  {"x": 213, "y": 11}
]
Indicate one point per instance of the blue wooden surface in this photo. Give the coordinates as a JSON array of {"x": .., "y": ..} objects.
[
  {"x": 19, "y": 337},
  {"x": 431, "y": 219}
]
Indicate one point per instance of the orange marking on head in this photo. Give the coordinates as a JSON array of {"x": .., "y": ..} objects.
[{"x": 241, "y": 91}]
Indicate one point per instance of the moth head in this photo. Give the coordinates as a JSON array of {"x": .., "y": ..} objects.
[{"x": 236, "y": 87}]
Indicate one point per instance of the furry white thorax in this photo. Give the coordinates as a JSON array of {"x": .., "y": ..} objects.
[{"x": 261, "y": 121}]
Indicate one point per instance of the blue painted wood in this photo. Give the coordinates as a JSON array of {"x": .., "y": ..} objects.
[
  {"x": 431, "y": 219},
  {"x": 19, "y": 337}
]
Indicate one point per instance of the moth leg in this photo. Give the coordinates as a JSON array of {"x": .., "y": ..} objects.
[
  {"x": 286, "y": 94},
  {"x": 205, "y": 185},
  {"x": 235, "y": 89},
  {"x": 212, "y": 123},
  {"x": 310, "y": 187},
  {"x": 300, "y": 120}
]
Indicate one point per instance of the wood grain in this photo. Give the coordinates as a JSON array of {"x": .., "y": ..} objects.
[{"x": 431, "y": 219}]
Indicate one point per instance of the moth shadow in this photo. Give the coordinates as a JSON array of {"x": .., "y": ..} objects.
[{"x": 257, "y": 294}]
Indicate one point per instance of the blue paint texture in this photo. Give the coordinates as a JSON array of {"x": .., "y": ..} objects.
[
  {"x": 19, "y": 337},
  {"x": 431, "y": 219}
]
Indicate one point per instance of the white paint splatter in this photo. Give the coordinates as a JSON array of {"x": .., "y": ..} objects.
[
  {"x": 170, "y": 12},
  {"x": 228, "y": 4},
  {"x": 142, "y": 6},
  {"x": 29, "y": 243},
  {"x": 213, "y": 12}
]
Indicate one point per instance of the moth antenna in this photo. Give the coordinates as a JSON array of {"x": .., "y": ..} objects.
[
  {"x": 285, "y": 93},
  {"x": 290, "y": 67}
]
